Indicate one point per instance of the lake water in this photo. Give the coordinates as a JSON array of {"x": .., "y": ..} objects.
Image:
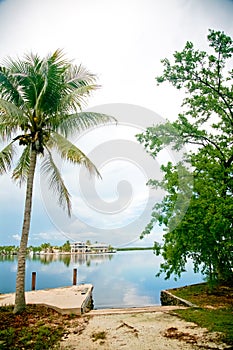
[{"x": 122, "y": 279}]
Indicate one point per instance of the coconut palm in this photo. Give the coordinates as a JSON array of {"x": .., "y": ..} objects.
[{"x": 41, "y": 104}]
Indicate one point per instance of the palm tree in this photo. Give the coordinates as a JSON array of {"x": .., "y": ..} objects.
[{"x": 40, "y": 106}]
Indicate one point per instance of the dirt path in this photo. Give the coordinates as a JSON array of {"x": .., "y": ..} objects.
[{"x": 153, "y": 330}]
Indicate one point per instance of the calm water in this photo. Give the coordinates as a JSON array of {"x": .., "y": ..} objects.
[{"x": 122, "y": 279}]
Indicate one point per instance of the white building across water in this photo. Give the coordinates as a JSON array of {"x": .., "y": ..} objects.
[{"x": 83, "y": 248}]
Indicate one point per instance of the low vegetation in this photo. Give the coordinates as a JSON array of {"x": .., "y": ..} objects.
[
  {"x": 214, "y": 311},
  {"x": 37, "y": 328},
  {"x": 134, "y": 248},
  {"x": 98, "y": 336}
]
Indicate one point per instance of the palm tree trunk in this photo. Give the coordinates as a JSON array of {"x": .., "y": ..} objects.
[{"x": 20, "y": 302}]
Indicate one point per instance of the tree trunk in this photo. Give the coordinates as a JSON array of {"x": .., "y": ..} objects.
[
  {"x": 20, "y": 302},
  {"x": 224, "y": 271}
]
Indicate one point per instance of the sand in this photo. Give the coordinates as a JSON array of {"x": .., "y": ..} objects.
[{"x": 156, "y": 330}]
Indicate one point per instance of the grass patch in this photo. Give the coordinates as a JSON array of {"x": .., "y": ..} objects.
[
  {"x": 219, "y": 320},
  {"x": 215, "y": 308},
  {"x": 201, "y": 295}
]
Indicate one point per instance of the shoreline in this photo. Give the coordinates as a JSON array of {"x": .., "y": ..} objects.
[{"x": 115, "y": 250}]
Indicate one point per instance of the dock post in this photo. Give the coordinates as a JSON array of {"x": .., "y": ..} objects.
[
  {"x": 33, "y": 280},
  {"x": 74, "y": 277}
]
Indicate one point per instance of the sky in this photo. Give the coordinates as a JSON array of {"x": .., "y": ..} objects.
[{"x": 122, "y": 42}]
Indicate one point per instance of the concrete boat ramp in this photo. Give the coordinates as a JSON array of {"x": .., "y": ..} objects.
[
  {"x": 77, "y": 300},
  {"x": 66, "y": 300}
]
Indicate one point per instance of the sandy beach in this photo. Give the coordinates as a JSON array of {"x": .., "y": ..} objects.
[{"x": 138, "y": 330}]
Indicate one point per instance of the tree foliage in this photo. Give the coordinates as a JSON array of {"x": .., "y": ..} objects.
[
  {"x": 66, "y": 247},
  {"x": 196, "y": 211}
]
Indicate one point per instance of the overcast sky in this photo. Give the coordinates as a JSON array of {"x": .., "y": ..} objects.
[{"x": 122, "y": 42}]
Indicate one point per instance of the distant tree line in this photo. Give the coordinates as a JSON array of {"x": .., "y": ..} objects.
[{"x": 46, "y": 247}]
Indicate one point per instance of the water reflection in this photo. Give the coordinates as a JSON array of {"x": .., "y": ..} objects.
[
  {"x": 67, "y": 259},
  {"x": 89, "y": 259},
  {"x": 121, "y": 279},
  {"x": 8, "y": 258}
]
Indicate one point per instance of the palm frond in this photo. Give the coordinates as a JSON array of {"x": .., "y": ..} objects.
[
  {"x": 15, "y": 66},
  {"x": 21, "y": 75},
  {"x": 34, "y": 74},
  {"x": 79, "y": 76},
  {"x": 21, "y": 170},
  {"x": 10, "y": 109},
  {"x": 30, "y": 77},
  {"x": 70, "y": 152},
  {"x": 76, "y": 98},
  {"x": 77, "y": 122},
  {"x": 6, "y": 156},
  {"x": 57, "y": 57},
  {"x": 8, "y": 86},
  {"x": 12, "y": 118},
  {"x": 67, "y": 85},
  {"x": 56, "y": 182},
  {"x": 53, "y": 71}
]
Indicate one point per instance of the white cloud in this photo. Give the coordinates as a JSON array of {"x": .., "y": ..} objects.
[
  {"x": 43, "y": 237},
  {"x": 16, "y": 237},
  {"x": 123, "y": 42}
]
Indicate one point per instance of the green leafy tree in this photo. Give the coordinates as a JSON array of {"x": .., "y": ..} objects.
[
  {"x": 196, "y": 211},
  {"x": 46, "y": 247},
  {"x": 40, "y": 106},
  {"x": 66, "y": 247},
  {"x": 8, "y": 250}
]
